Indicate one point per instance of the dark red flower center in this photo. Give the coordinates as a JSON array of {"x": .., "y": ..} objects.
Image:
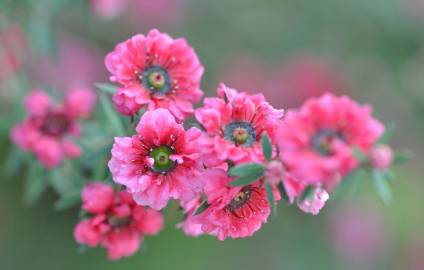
[
  {"x": 118, "y": 222},
  {"x": 55, "y": 124},
  {"x": 323, "y": 140},
  {"x": 240, "y": 199}
]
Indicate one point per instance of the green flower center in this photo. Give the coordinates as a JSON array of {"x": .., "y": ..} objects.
[
  {"x": 240, "y": 133},
  {"x": 156, "y": 79},
  {"x": 162, "y": 159}
]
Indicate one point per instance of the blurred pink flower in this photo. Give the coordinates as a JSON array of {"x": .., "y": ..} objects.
[
  {"x": 115, "y": 221},
  {"x": 48, "y": 128},
  {"x": 357, "y": 233},
  {"x": 109, "y": 9},
  {"x": 316, "y": 140},
  {"x": 304, "y": 76},
  {"x": 297, "y": 78},
  {"x": 156, "y": 13},
  {"x": 76, "y": 64},
  {"x": 13, "y": 50}
]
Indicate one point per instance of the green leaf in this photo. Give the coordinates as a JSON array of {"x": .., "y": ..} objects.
[
  {"x": 106, "y": 88},
  {"x": 35, "y": 183},
  {"x": 246, "y": 169},
  {"x": 14, "y": 162},
  {"x": 201, "y": 208},
  {"x": 308, "y": 193},
  {"x": 111, "y": 114},
  {"x": 266, "y": 147},
  {"x": 382, "y": 186},
  {"x": 271, "y": 199},
  {"x": 60, "y": 181},
  {"x": 401, "y": 158},
  {"x": 69, "y": 200},
  {"x": 247, "y": 179},
  {"x": 359, "y": 155},
  {"x": 283, "y": 191},
  {"x": 347, "y": 182},
  {"x": 388, "y": 133}
]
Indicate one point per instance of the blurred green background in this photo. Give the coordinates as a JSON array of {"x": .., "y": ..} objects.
[{"x": 290, "y": 50}]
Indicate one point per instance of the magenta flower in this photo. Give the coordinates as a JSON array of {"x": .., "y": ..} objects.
[
  {"x": 115, "y": 221},
  {"x": 234, "y": 125},
  {"x": 234, "y": 212},
  {"x": 48, "y": 129},
  {"x": 158, "y": 72},
  {"x": 316, "y": 141},
  {"x": 160, "y": 162}
]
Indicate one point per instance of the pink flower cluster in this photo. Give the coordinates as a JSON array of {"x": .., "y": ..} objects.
[
  {"x": 48, "y": 129},
  {"x": 114, "y": 221},
  {"x": 311, "y": 149},
  {"x": 227, "y": 173}
]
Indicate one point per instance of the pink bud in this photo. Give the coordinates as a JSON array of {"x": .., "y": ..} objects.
[
  {"x": 315, "y": 204},
  {"x": 274, "y": 172},
  {"x": 381, "y": 157}
]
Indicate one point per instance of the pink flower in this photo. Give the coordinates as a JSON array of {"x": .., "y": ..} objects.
[
  {"x": 160, "y": 162},
  {"x": 47, "y": 130},
  {"x": 108, "y": 9},
  {"x": 115, "y": 221},
  {"x": 97, "y": 197},
  {"x": 234, "y": 124},
  {"x": 188, "y": 225},
  {"x": 77, "y": 63},
  {"x": 316, "y": 203},
  {"x": 158, "y": 72},
  {"x": 359, "y": 234},
  {"x": 13, "y": 50},
  {"x": 316, "y": 140},
  {"x": 381, "y": 157},
  {"x": 234, "y": 212}
]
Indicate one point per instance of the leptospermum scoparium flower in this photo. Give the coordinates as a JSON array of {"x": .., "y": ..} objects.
[
  {"x": 114, "y": 221},
  {"x": 155, "y": 71},
  {"x": 160, "y": 162},
  {"x": 49, "y": 127},
  {"x": 227, "y": 176}
]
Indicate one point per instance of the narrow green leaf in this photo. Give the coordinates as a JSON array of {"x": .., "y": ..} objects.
[
  {"x": 271, "y": 199},
  {"x": 266, "y": 147},
  {"x": 59, "y": 181},
  {"x": 69, "y": 200},
  {"x": 247, "y": 179},
  {"x": 283, "y": 191},
  {"x": 359, "y": 155},
  {"x": 35, "y": 183},
  {"x": 201, "y": 208},
  {"x": 246, "y": 169},
  {"x": 106, "y": 88},
  {"x": 111, "y": 115},
  {"x": 387, "y": 135},
  {"x": 382, "y": 187},
  {"x": 308, "y": 193},
  {"x": 346, "y": 183},
  {"x": 401, "y": 158}
]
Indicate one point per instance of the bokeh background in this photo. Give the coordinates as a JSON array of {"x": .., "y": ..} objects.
[{"x": 288, "y": 49}]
